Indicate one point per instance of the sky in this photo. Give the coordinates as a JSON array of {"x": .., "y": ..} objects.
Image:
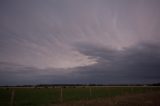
[{"x": 79, "y": 41}]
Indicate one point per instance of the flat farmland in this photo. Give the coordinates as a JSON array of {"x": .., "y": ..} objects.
[{"x": 59, "y": 95}]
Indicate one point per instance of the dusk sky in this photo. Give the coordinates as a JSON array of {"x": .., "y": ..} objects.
[{"x": 79, "y": 41}]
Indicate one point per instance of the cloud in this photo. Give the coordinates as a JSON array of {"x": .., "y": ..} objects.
[
  {"x": 91, "y": 40},
  {"x": 138, "y": 64},
  {"x": 16, "y": 74}
]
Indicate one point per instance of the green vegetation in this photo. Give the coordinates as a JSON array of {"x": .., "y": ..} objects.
[{"x": 45, "y": 96}]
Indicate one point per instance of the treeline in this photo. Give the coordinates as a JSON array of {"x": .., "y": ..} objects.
[{"x": 81, "y": 85}]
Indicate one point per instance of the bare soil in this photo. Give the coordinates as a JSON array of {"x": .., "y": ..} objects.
[{"x": 145, "y": 99}]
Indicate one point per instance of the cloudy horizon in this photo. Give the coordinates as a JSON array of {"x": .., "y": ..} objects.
[{"x": 79, "y": 41}]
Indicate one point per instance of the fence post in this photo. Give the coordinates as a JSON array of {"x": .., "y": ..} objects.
[
  {"x": 132, "y": 89},
  {"x": 12, "y": 97},
  {"x": 90, "y": 91},
  {"x": 61, "y": 95}
]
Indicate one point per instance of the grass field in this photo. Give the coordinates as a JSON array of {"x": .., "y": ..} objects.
[
  {"x": 46, "y": 96},
  {"x": 139, "y": 99}
]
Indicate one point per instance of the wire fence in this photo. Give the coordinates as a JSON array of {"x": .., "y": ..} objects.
[{"x": 38, "y": 96}]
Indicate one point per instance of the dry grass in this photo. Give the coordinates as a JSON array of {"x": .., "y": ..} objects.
[{"x": 146, "y": 99}]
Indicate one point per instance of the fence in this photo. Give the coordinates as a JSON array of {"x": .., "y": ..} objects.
[{"x": 35, "y": 96}]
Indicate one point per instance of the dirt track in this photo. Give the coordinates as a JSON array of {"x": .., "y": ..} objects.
[{"x": 147, "y": 99}]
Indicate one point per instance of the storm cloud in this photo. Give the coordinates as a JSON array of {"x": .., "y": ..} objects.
[
  {"x": 79, "y": 41},
  {"x": 138, "y": 64}
]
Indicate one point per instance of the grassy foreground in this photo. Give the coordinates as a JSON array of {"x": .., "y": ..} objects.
[
  {"x": 46, "y": 96},
  {"x": 140, "y": 99}
]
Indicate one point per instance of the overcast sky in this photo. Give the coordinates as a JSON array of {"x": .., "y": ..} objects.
[{"x": 79, "y": 41}]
